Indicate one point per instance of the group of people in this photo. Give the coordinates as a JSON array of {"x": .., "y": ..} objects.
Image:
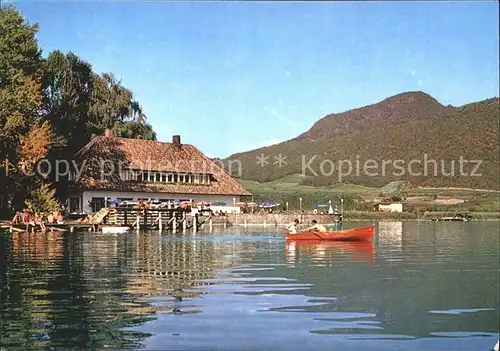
[
  {"x": 144, "y": 204},
  {"x": 27, "y": 217},
  {"x": 293, "y": 227}
]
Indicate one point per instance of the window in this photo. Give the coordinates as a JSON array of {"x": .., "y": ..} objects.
[{"x": 97, "y": 203}]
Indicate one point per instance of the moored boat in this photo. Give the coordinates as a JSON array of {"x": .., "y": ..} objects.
[
  {"x": 114, "y": 229},
  {"x": 354, "y": 234}
]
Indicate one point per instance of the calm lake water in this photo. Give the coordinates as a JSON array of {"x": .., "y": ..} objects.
[{"x": 419, "y": 286}]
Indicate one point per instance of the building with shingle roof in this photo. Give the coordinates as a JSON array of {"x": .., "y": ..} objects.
[{"x": 133, "y": 169}]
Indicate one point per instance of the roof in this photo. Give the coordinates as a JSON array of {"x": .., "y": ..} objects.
[{"x": 108, "y": 152}]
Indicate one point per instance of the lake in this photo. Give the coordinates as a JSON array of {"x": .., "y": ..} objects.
[{"x": 418, "y": 286}]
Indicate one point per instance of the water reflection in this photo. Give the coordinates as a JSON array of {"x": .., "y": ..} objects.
[
  {"x": 320, "y": 250},
  {"x": 81, "y": 289},
  {"x": 415, "y": 281},
  {"x": 390, "y": 234}
]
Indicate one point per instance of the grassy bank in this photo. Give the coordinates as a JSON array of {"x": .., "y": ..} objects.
[
  {"x": 358, "y": 199},
  {"x": 366, "y": 215}
]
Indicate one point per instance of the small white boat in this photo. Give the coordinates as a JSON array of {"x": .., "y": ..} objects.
[
  {"x": 114, "y": 229},
  {"x": 497, "y": 346}
]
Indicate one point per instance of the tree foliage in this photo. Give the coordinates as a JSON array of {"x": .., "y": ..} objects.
[
  {"x": 20, "y": 85},
  {"x": 42, "y": 199},
  {"x": 35, "y": 144}
]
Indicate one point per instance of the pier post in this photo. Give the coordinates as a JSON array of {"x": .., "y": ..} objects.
[
  {"x": 246, "y": 223},
  {"x": 184, "y": 222},
  {"x": 265, "y": 223},
  {"x": 174, "y": 224},
  {"x": 225, "y": 220},
  {"x": 138, "y": 222},
  {"x": 210, "y": 227},
  {"x": 160, "y": 224},
  {"x": 195, "y": 223}
]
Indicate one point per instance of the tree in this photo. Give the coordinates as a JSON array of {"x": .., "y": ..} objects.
[
  {"x": 113, "y": 106},
  {"x": 42, "y": 199},
  {"x": 34, "y": 146},
  {"x": 67, "y": 87},
  {"x": 20, "y": 90}
]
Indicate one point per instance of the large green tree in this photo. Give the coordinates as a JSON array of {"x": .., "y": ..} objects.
[
  {"x": 113, "y": 106},
  {"x": 25, "y": 137},
  {"x": 20, "y": 80}
]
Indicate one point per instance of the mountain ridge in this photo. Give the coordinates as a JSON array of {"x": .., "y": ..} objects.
[{"x": 406, "y": 126}]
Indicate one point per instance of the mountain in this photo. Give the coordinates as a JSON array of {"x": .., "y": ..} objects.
[{"x": 409, "y": 136}]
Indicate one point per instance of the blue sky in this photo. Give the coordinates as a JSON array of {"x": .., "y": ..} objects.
[{"x": 234, "y": 76}]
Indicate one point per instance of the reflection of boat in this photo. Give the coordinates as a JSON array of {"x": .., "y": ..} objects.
[
  {"x": 114, "y": 229},
  {"x": 359, "y": 250},
  {"x": 355, "y": 234}
]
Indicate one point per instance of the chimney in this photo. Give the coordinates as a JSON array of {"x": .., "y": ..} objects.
[
  {"x": 176, "y": 140},
  {"x": 107, "y": 133}
]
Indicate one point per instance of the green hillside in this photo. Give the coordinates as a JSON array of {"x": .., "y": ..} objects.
[
  {"x": 362, "y": 198},
  {"x": 391, "y": 141}
]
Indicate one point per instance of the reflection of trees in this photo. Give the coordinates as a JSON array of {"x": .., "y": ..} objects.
[
  {"x": 81, "y": 290},
  {"x": 22, "y": 309},
  {"x": 164, "y": 265},
  {"x": 52, "y": 296}
]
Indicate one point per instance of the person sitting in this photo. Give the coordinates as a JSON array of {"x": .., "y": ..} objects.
[
  {"x": 39, "y": 221},
  {"x": 316, "y": 227},
  {"x": 60, "y": 218},
  {"x": 26, "y": 216},
  {"x": 292, "y": 227},
  {"x": 17, "y": 218}
]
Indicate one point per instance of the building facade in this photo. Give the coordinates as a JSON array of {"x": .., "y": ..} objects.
[
  {"x": 388, "y": 207},
  {"x": 133, "y": 169}
]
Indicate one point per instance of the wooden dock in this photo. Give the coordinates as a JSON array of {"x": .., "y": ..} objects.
[{"x": 161, "y": 219}]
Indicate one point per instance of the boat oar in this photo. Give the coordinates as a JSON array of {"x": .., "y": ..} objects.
[{"x": 312, "y": 232}]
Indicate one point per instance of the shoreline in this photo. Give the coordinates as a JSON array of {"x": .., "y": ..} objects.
[{"x": 270, "y": 219}]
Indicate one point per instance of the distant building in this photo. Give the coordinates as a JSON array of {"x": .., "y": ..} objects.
[
  {"x": 388, "y": 207},
  {"x": 136, "y": 169}
]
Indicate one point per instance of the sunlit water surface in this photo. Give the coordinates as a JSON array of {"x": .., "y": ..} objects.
[{"x": 419, "y": 286}]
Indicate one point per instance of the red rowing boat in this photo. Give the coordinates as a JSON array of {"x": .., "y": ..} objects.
[{"x": 355, "y": 234}]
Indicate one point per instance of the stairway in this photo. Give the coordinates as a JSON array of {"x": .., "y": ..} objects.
[{"x": 99, "y": 216}]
